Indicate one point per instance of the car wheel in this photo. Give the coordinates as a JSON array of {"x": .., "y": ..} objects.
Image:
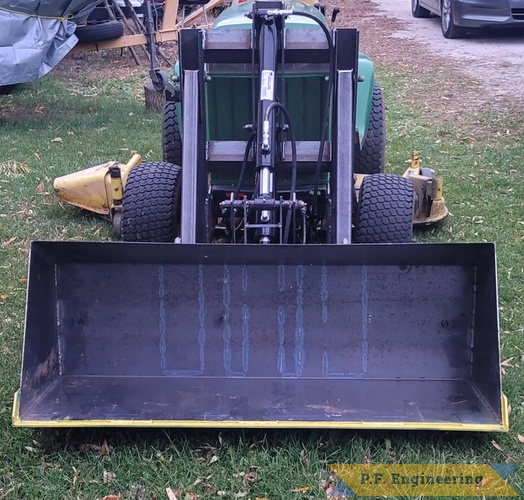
[
  {"x": 449, "y": 28},
  {"x": 417, "y": 10}
]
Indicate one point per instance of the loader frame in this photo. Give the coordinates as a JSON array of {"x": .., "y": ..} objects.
[{"x": 198, "y": 55}]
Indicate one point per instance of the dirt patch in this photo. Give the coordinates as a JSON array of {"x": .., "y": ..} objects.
[
  {"x": 480, "y": 71},
  {"x": 484, "y": 68},
  {"x": 494, "y": 56},
  {"x": 102, "y": 64}
]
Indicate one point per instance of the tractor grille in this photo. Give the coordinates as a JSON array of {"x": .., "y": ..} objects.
[{"x": 517, "y": 14}]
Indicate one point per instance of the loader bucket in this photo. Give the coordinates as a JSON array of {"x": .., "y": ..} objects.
[{"x": 341, "y": 336}]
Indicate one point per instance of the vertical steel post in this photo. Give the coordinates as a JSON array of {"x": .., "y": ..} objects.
[
  {"x": 344, "y": 157},
  {"x": 190, "y": 103}
]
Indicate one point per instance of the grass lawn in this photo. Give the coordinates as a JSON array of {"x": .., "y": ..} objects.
[{"x": 68, "y": 121}]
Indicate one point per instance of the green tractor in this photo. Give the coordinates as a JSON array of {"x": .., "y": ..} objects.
[
  {"x": 265, "y": 314},
  {"x": 271, "y": 114}
]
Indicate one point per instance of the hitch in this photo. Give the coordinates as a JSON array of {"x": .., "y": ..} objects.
[{"x": 158, "y": 78}]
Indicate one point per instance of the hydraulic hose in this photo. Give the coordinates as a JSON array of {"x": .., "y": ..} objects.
[
  {"x": 294, "y": 164},
  {"x": 249, "y": 145},
  {"x": 325, "y": 117}
]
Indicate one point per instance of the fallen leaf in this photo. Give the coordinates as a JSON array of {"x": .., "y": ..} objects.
[
  {"x": 108, "y": 477},
  {"x": 334, "y": 492},
  {"x": 261, "y": 498},
  {"x": 41, "y": 187},
  {"x": 31, "y": 449},
  {"x": 75, "y": 475},
  {"x": 173, "y": 493},
  {"x": 520, "y": 438},
  {"x": 213, "y": 459},
  {"x": 325, "y": 483},
  {"x": 9, "y": 241},
  {"x": 105, "y": 448},
  {"x": 506, "y": 364},
  {"x": 13, "y": 167},
  {"x": 4, "y": 296},
  {"x": 305, "y": 489},
  {"x": 57, "y": 139},
  {"x": 250, "y": 477},
  {"x": 241, "y": 494},
  {"x": 210, "y": 489},
  {"x": 496, "y": 445},
  {"x": 112, "y": 497},
  {"x": 367, "y": 458}
]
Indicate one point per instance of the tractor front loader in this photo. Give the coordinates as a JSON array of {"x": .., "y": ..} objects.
[{"x": 267, "y": 276}]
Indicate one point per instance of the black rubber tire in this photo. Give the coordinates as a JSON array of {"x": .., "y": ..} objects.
[
  {"x": 385, "y": 210},
  {"x": 449, "y": 28},
  {"x": 7, "y": 89},
  {"x": 99, "y": 32},
  {"x": 418, "y": 11},
  {"x": 150, "y": 208},
  {"x": 171, "y": 137},
  {"x": 371, "y": 159}
]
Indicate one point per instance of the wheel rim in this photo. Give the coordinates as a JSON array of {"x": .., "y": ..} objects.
[{"x": 446, "y": 14}]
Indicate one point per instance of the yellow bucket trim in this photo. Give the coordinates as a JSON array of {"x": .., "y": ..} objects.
[{"x": 283, "y": 424}]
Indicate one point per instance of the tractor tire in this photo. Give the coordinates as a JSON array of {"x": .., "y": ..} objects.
[
  {"x": 418, "y": 11},
  {"x": 385, "y": 210},
  {"x": 150, "y": 208},
  {"x": 171, "y": 137},
  {"x": 91, "y": 33},
  {"x": 371, "y": 159},
  {"x": 449, "y": 28}
]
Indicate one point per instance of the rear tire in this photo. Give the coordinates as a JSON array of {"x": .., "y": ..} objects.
[
  {"x": 449, "y": 28},
  {"x": 385, "y": 210},
  {"x": 418, "y": 11},
  {"x": 371, "y": 159},
  {"x": 171, "y": 137},
  {"x": 150, "y": 206}
]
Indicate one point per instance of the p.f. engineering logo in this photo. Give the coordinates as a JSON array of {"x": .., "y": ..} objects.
[{"x": 432, "y": 480}]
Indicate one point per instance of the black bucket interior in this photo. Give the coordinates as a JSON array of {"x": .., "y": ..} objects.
[{"x": 197, "y": 334}]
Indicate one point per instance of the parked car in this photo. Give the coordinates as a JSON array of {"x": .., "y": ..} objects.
[{"x": 459, "y": 16}]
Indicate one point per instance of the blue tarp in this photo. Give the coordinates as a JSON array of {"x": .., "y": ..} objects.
[{"x": 36, "y": 35}]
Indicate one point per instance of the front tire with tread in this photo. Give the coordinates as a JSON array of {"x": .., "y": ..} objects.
[
  {"x": 385, "y": 210},
  {"x": 150, "y": 206}
]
